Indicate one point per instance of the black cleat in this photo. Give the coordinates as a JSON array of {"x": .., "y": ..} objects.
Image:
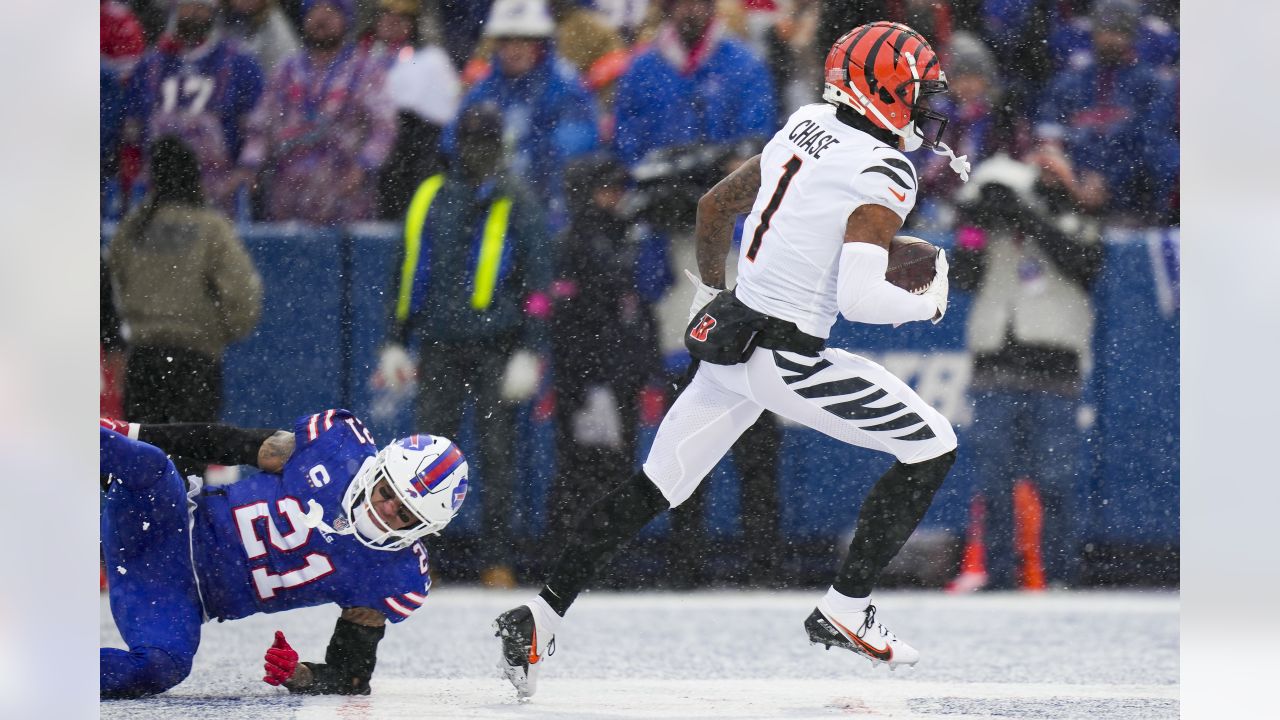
[{"x": 523, "y": 647}]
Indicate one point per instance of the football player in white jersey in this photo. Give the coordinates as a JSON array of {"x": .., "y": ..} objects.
[{"x": 825, "y": 198}]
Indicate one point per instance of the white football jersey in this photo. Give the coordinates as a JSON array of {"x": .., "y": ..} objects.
[{"x": 813, "y": 173}]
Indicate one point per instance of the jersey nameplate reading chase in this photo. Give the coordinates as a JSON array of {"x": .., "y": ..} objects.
[{"x": 811, "y": 138}]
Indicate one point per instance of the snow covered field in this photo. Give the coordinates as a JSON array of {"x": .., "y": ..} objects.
[{"x": 717, "y": 654}]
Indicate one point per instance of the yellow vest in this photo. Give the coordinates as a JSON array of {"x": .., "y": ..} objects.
[{"x": 488, "y": 262}]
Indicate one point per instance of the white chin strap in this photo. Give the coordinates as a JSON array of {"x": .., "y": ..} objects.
[
  {"x": 959, "y": 165},
  {"x": 911, "y": 140}
]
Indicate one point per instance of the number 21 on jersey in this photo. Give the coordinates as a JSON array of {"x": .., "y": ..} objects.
[{"x": 267, "y": 583}]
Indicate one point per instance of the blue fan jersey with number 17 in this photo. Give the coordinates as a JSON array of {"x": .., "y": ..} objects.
[{"x": 254, "y": 553}]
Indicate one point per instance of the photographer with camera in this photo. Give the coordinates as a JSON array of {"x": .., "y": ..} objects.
[{"x": 1030, "y": 258}]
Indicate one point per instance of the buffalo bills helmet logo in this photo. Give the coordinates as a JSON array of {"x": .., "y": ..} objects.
[
  {"x": 459, "y": 494},
  {"x": 437, "y": 471}
]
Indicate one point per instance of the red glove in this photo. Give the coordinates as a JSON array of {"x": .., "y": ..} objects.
[
  {"x": 119, "y": 426},
  {"x": 281, "y": 661}
]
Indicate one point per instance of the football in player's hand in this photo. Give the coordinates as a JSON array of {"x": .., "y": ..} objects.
[{"x": 911, "y": 263}]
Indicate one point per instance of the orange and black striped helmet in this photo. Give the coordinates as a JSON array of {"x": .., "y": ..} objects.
[{"x": 884, "y": 70}]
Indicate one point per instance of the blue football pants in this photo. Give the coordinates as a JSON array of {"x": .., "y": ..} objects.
[{"x": 146, "y": 544}]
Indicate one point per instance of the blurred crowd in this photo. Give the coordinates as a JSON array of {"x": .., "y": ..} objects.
[
  {"x": 546, "y": 157},
  {"x": 332, "y": 111}
]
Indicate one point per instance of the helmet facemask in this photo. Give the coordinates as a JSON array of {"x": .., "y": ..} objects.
[
  {"x": 371, "y": 529},
  {"x": 926, "y": 126},
  {"x": 430, "y": 507},
  {"x": 916, "y": 134}
]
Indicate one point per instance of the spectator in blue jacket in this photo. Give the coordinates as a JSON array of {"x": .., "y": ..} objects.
[
  {"x": 110, "y": 120},
  {"x": 1022, "y": 30},
  {"x": 1017, "y": 31},
  {"x": 693, "y": 84},
  {"x": 1155, "y": 41},
  {"x": 199, "y": 85},
  {"x": 1108, "y": 124},
  {"x": 549, "y": 117},
  {"x": 696, "y": 85}
]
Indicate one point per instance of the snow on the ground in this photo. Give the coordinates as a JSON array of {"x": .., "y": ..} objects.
[{"x": 716, "y": 654}]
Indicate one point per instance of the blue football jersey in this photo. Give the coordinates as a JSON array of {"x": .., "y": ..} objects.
[
  {"x": 255, "y": 554},
  {"x": 201, "y": 97}
]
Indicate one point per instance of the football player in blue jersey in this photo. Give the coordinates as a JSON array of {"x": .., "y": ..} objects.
[{"x": 329, "y": 519}]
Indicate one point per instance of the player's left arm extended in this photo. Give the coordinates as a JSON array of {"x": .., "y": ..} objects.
[
  {"x": 718, "y": 211},
  {"x": 349, "y": 660},
  {"x": 266, "y": 448}
]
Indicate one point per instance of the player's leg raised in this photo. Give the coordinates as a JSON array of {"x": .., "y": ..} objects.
[
  {"x": 851, "y": 399},
  {"x": 861, "y": 403},
  {"x": 697, "y": 431},
  {"x": 703, "y": 423}
]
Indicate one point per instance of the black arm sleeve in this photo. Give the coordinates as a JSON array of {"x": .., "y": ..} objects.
[
  {"x": 1080, "y": 261},
  {"x": 207, "y": 442},
  {"x": 348, "y": 663},
  {"x": 967, "y": 269},
  {"x": 1000, "y": 206}
]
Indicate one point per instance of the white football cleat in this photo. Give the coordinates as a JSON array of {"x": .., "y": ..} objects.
[
  {"x": 858, "y": 632},
  {"x": 528, "y": 638}
]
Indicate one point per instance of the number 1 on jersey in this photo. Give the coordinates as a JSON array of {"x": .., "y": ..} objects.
[{"x": 789, "y": 171}]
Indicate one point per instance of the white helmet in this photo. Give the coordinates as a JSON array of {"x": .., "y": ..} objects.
[
  {"x": 429, "y": 476},
  {"x": 519, "y": 19}
]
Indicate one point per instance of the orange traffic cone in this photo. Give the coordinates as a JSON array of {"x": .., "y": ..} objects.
[
  {"x": 1028, "y": 523},
  {"x": 973, "y": 564}
]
